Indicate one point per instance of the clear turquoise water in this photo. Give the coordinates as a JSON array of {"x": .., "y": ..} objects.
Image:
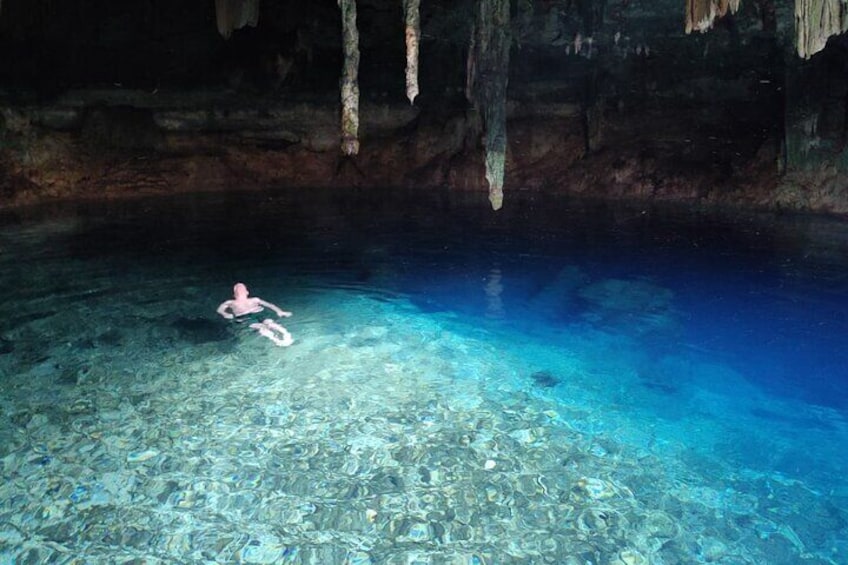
[{"x": 561, "y": 382}]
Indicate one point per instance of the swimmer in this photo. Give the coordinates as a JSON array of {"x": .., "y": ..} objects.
[{"x": 242, "y": 305}]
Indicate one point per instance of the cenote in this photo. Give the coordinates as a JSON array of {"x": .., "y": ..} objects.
[{"x": 563, "y": 381}]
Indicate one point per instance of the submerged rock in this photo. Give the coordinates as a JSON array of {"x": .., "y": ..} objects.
[
  {"x": 110, "y": 337},
  {"x": 6, "y": 346},
  {"x": 628, "y": 296},
  {"x": 200, "y": 330},
  {"x": 658, "y": 386},
  {"x": 545, "y": 379}
]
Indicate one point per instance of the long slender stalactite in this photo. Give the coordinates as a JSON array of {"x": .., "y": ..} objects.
[
  {"x": 471, "y": 64},
  {"x": 488, "y": 68},
  {"x": 816, "y": 21},
  {"x": 350, "y": 79},
  {"x": 768, "y": 15},
  {"x": 700, "y": 14},
  {"x": 235, "y": 14},
  {"x": 412, "y": 20}
]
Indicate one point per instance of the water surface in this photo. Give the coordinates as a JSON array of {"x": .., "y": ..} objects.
[{"x": 560, "y": 382}]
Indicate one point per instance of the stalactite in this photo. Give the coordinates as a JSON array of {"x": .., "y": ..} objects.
[
  {"x": 350, "y": 78},
  {"x": 523, "y": 22},
  {"x": 412, "y": 20},
  {"x": 768, "y": 15},
  {"x": 235, "y": 14},
  {"x": 471, "y": 64},
  {"x": 488, "y": 67},
  {"x": 700, "y": 14},
  {"x": 815, "y": 21}
]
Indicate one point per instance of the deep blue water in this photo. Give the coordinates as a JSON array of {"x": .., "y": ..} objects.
[
  {"x": 725, "y": 334},
  {"x": 767, "y": 295}
]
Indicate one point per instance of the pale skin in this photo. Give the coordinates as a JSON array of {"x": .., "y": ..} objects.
[
  {"x": 274, "y": 331},
  {"x": 242, "y": 304}
]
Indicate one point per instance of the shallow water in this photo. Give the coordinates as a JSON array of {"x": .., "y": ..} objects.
[{"x": 561, "y": 382}]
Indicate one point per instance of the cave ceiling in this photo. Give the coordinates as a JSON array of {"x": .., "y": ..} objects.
[{"x": 670, "y": 88}]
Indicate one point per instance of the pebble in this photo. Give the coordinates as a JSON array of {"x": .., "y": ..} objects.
[
  {"x": 140, "y": 456},
  {"x": 419, "y": 532},
  {"x": 631, "y": 557},
  {"x": 358, "y": 558}
]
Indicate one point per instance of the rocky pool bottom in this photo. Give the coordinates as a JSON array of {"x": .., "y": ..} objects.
[
  {"x": 558, "y": 383},
  {"x": 383, "y": 435}
]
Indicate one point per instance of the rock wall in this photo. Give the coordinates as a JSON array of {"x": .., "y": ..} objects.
[{"x": 606, "y": 98}]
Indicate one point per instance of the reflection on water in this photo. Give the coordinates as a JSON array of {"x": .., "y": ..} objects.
[
  {"x": 561, "y": 382},
  {"x": 493, "y": 290}
]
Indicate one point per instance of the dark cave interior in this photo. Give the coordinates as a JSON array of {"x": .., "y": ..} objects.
[{"x": 605, "y": 97}]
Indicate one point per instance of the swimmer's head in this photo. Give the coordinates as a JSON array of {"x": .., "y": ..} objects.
[{"x": 240, "y": 291}]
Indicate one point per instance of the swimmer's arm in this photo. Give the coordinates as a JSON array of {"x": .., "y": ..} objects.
[
  {"x": 275, "y": 308},
  {"x": 222, "y": 309}
]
